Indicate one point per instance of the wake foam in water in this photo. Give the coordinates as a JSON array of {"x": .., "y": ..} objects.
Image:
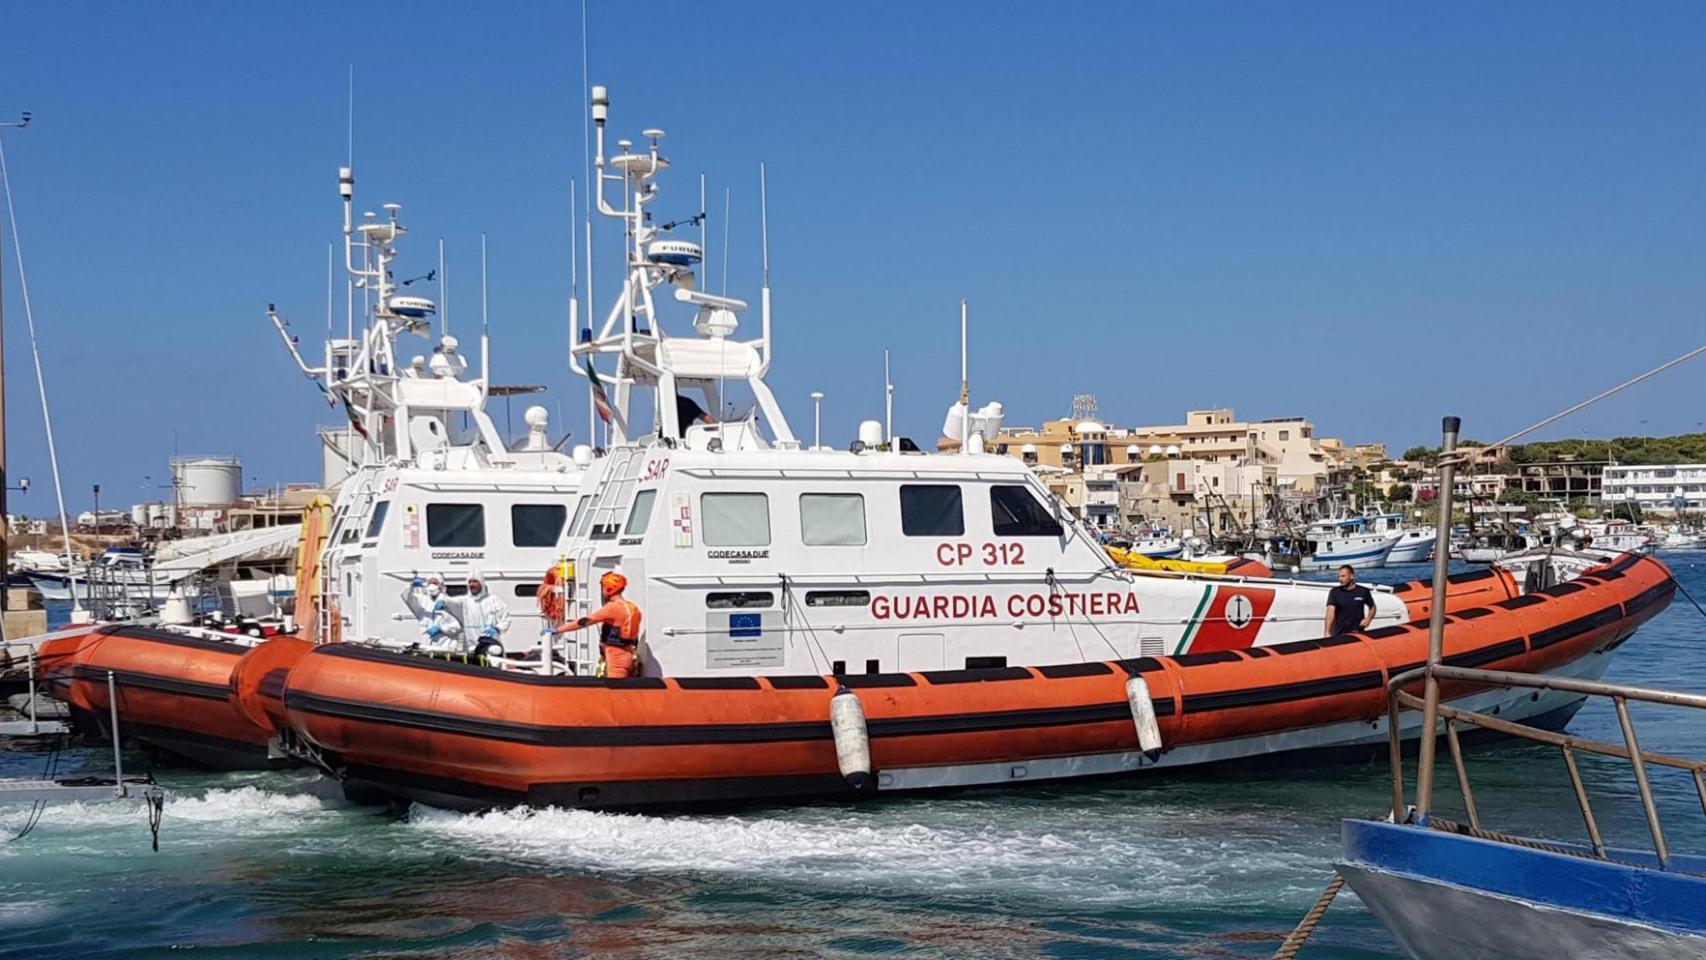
[
  {"x": 1089, "y": 860},
  {"x": 236, "y": 812}
]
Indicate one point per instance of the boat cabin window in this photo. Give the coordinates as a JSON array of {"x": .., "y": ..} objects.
[
  {"x": 742, "y": 598},
  {"x": 577, "y": 528},
  {"x": 378, "y": 522},
  {"x": 456, "y": 525},
  {"x": 640, "y": 517},
  {"x": 536, "y": 524},
  {"x": 832, "y": 519},
  {"x": 735, "y": 519},
  {"x": 1016, "y": 512},
  {"x": 931, "y": 510},
  {"x": 838, "y": 598}
]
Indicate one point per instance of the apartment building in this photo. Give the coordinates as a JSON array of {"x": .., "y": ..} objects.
[{"x": 1661, "y": 488}]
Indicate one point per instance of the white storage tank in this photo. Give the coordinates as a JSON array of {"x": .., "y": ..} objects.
[{"x": 207, "y": 481}]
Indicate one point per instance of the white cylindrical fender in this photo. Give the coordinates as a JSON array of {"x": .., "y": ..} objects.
[
  {"x": 1143, "y": 717},
  {"x": 852, "y": 743},
  {"x": 176, "y": 609}
]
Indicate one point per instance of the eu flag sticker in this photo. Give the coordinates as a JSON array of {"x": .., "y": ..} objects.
[{"x": 746, "y": 624}]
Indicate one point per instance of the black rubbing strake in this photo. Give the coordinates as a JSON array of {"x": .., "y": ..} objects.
[{"x": 1063, "y": 671}]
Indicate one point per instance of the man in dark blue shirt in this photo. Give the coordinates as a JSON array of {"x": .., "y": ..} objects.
[{"x": 1350, "y": 605}]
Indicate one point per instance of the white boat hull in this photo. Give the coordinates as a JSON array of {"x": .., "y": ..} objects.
[
  {"x": 65, "y": 589},
  {"x": 1370, "y": 557},
  {"x": 1412, "y": 549}
]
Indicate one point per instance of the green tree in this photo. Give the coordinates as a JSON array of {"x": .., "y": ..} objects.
[
  {"x": 1427, "y": 455},
  {"x": 1401, "y": 493}
]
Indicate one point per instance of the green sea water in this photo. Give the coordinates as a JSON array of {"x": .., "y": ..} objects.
[{"x": 1206, "y": 865}]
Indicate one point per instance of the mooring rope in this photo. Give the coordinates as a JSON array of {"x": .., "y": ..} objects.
[
  {"x": 1690, "y": 596},
  {"x": 1293, "y": 943},
  {"x": 1601, "y": 396}
]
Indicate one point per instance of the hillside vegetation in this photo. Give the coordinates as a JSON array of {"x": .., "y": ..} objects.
[{"x": 1634, "y": 451}]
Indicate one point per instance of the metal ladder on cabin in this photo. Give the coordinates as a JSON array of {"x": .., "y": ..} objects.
[
  {"x": 609, "y": 505},
  {"x": 332, "y": 555}
]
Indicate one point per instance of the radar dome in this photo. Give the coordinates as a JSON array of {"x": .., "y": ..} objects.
[
  {"x": 413, "y": 308},
  {"x": 676, "y": 253}
]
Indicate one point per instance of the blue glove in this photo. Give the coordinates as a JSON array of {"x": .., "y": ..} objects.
[
  {"x": 438, "y": 607},
  {"x": 490, "y": 633},
  {"x": 434, "y": 630},
  {"x": 417, "y": 582}
]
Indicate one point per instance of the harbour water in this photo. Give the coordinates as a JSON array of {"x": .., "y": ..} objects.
[{"x": 1208, "y": 865}]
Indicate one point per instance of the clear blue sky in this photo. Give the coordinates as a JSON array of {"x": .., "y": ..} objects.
[{"x": 1369, "y": 214}]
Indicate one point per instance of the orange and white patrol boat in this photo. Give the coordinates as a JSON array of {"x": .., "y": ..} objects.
[
  {"x": 875, "y": 617},
  {"x": 466, "y": 735}
]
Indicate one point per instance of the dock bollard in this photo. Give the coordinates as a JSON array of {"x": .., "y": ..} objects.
[
  {"x": 1143, "y": 717},
  {"x": 852, "y": 743}
]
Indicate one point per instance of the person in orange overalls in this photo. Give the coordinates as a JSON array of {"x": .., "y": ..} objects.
[{"x": 619, "y": 627}]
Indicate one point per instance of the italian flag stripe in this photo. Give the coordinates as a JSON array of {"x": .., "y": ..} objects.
[{"x": 1196, "y": 621}]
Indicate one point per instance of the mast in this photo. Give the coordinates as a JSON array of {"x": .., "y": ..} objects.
[
  {"x": 5, "y": 481},
  {"x": 888, "y": 402},
  {"x": 35, "y": 354},
  {"x": 965, "y": 386},
  {"x": 632, "y": 332}
]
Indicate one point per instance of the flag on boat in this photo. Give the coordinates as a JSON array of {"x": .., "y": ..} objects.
[
  {"x": 355, "y": 421},
  {"x": 599, "y": 400}
]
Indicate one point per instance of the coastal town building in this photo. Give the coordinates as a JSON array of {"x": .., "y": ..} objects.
[
  {"x": 1662, "y": 488},
  {"x": 1176, "y": 476},
  {"x": 1564, "y": 480}
]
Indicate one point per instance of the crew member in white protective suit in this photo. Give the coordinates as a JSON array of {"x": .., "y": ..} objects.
[
  {"x": 440, "y": 629},
  {"x": 483, "y": 617}
]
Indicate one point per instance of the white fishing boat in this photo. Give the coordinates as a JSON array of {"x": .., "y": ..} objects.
[
  {"x": 1681, "y": 538},
  {"x": 1159, "y": 547},
  {"x": 1331, "y": 544},
  {"x": 119, "y": 573},
  {"x": 1414, "y": 545},
  {"x": 1621, "y": 536}
]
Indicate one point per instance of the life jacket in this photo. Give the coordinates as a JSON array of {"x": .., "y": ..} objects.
[{"x": 624, "y": 632}]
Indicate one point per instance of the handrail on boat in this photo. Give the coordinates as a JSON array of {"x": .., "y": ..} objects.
[{"x": 1630, "y": 750}]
